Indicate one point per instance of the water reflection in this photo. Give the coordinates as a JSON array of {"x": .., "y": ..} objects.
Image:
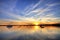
[{"x": 33, "y": 32}]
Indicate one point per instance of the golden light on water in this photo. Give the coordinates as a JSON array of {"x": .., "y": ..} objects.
[{"x": 36, "y": 28}]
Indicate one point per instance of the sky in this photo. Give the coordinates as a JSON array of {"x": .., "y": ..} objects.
[{"x": 30, "y": 10}]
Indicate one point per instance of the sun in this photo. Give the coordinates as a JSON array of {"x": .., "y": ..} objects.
[{"x": 36, "y": 23}]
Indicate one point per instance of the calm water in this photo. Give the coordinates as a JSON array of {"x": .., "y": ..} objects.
[{"x": 30, "y": 33}]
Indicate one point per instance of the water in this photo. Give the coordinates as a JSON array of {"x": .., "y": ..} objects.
[{"x": 30, "y": 33}]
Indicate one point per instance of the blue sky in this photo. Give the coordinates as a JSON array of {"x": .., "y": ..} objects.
[{"x": 30, "y": 10}]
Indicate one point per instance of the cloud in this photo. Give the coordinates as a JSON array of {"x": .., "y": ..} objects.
[
  {"x": 53, "y": 4},
  {"x": 33, "y": 7},
  {"x": 30, "y": 12},
  {"x": 41, "y": 9}
]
